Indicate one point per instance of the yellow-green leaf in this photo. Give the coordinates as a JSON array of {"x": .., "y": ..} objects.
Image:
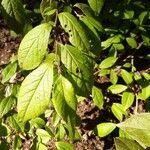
[
  {"x": 77, "y": 35},
  {"x": 108, "y": 62},
  {"x": 127, "y": 144},
  {"x": 118, "y": 88},
  {"x": 127, "y": 99},
  {"x": 34, "y": 94},
  {"x": 98, "y": 97},
  {"x": 137, "y": 126},
  {"x": 104, "y": 129},
  {"x": 33, "y": 47}
]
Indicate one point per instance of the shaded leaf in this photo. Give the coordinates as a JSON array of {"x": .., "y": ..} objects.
[
  {"x": 79, "y": 67},
  {"x": 14, "y": 14},
  {"x": 64, "y": 146}
]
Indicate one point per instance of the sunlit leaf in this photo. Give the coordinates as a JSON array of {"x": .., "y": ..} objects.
[
  {"x": 118, "y": 111},
  {"x": 104, "y": 129},
  {"x": 127, "y": 144},
  {"x": 132, "y": 42},
  {"x": 127, "y": 77},
  {"x": 127, "y": 99},
  {"x": 33, "y": 47},
  {"x": 96, "y": 5},
  {"x": 118, "y": 88},
  {"x": 113, "y": 77},
  {"x": 6, "y": 105},
  {"x": 64, "y": 146},
  {"x": 8, "y": 72},
  {"x": 34, "y": 94},
  {"x": 137, "y": 126},
  {"x": 108, "y": 62},
  {"x": 97, "y": 97},
  {"x": 77, "y": 35}
]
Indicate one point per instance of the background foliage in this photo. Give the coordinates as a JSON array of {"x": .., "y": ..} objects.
[{"x": 73, "y": 50}]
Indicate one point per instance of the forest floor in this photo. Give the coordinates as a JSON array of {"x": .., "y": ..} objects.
[{"x": 90, "y": 115}]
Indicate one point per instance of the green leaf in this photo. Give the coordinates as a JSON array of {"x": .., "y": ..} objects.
[
  {"x": 64, "y": 99},
  {"x": 113, "y": 76},
  {"x": 131, "y": 42},
  {"x": 33, "y": 46},
  {"x": 47, "y": 5},
  {"x": 79, "y": 67},
  {"x": 37, "y": 122},
  {"x": 6, "y": 105},
  {"x": 15, "y": 123},
  {"x": 112, "y": 40},
  {"x": 8, "y": 72},
  {"x": 60, "y": 133},
  {"x": 127, "y": 77},
  {"x": 98, "y": 97},
  {"x": 145, "y": 93},
  {"x": 118, "y": 111},
  {"x": 43, "y": 135},
  {"x": 104, "y": 129},
  {"x": 143, "y": 17},
  {"x": 146, "y": 75},
  {"x": 137, "y": 126},
  {"x": 93, "y": 24},
  {"x": 108, "y": 62},
  {"x": 123, "y": 134},
  {"x": 3, "y": 130},
  {"x": 127, "y": 99},
  {"x": 17, "y": 143},
  {"x": 64, "y": 146},
  {"x": 4, "y": 145},
  {"x": 85, "y": 9},
  {"x": 127, "y": 144},
  {"x": 96, "y": 5},
  {"x": 118, "y": 88},
  {"x": 42, "y": 147},
  {"x": 14, "y": 14},
  {"x": 2, "y": 91},
  {"x": 34, "y": 94},
  {"x": 118, "y": 46},
  {"x": 128, "y": 14},
  {"x": 77, "y": 35}
]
